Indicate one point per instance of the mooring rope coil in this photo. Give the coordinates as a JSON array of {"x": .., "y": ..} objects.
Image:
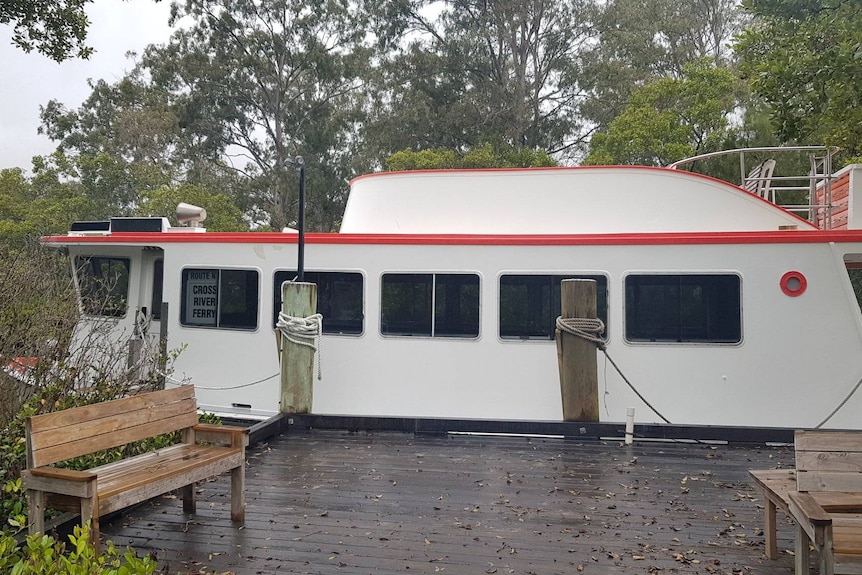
[
  {"x": 304, "y": 331},
  {"x": 590, "y": 329}
]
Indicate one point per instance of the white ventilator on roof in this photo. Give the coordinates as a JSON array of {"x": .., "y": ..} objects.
[{"x": 594, "y": 200}]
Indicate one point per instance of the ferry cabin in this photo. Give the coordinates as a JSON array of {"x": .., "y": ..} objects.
[{"x": 439, "y": 297}]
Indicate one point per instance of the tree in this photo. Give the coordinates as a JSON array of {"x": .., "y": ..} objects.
[
  {"x": 639, "y": 41},
  {"x": 467, "y": 72},
  {"x": 56, "y": 28},
  {"x": 670, "y": 119},
  {"x": 804, "y": 58},
  {"x": 222, "y": 214},
  {"x": 41, "y": 204},
  {"x": 485, "y": 156},
  {"x": 125, "y": 142},
  {"x": 255, "y": 84}
]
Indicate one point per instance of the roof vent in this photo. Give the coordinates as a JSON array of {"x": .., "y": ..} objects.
[{"x": 191, "y": 215}]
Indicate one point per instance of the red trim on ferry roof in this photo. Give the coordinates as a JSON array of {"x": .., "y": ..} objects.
[
  {"x": 548, "y": 169},
  {"x": 658, "y": 238}
]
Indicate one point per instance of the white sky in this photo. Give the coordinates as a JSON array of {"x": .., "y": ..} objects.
[{"x": 28, "y": 81}]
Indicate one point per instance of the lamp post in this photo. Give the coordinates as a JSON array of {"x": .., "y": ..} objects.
[{"x": 298, "y": 164}]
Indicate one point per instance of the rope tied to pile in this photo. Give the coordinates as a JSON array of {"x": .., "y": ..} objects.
[
  {"x": 304, "y": 331},
  {"x": 590, "y": 329}
]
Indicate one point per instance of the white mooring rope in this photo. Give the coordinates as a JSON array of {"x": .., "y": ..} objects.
[
  {"x": 303, "y": 331},
  {"x": 590, "y": 329}
]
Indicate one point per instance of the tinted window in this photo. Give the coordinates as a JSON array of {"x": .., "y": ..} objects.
[
  {"x": 683, "y": 308},
  {"x": 339, "y": 299},
  {"x": 219, "y": 298},
  {"x": 434, "y": 305},
  {"x": 530, "y": 304},
  {"x": 158, "y": 286}
]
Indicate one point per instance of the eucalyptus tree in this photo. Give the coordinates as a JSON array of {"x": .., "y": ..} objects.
[
  {"x": 122, "y": 140},
  {"x": 669, "y": 119},
  {"x": 639, "y": 41},
  {"x": 805, "y": 60},
  {"x": 462, "y": 73},
  {"x": 256, "y": 83},
  {"x": 56, "y": 28}
]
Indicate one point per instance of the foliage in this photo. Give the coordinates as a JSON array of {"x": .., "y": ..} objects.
[
  {"x": 254, "y": 85},
  {"x": 56, "y": 28},
  {"x": 43, "y": 555},
  {"x": 31, "y": 206},
  {"x": 34, "y": 323},
  {"x": 670, "y": 119},
  {"x": 459, "y": 74},
  {"x": 804, "y": 58},
  {"x": 485, "y": 156},
  {"x": 223, "y": 215},
  {"x": 42, "y": 367},
  {"x": 640, "y": 41}
]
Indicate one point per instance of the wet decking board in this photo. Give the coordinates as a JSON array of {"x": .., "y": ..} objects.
[{"x": 338, "y": 502}]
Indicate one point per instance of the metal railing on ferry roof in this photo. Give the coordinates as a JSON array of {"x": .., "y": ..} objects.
[{"x": 760, "y": 179}]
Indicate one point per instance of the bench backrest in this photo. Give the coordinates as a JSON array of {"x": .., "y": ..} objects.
[
  {"x": 68, "y": 433},
  {"x": 828, "y": 460}
]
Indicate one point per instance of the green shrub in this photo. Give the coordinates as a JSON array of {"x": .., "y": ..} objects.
[{"x": 44, "y": 555}]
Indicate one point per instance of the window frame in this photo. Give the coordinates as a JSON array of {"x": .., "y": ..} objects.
[
  {"x": 220, "y": 323},
  {"x": 551, "y": 276},
  {"x": 84, "y": 299},
  {"x": 432, "y": 301},
  {"x": 710, "y": 310}
]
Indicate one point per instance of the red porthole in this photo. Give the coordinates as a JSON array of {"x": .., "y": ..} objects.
[{"x": 793, "y": 284}]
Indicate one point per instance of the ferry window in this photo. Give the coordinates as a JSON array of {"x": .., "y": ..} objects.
[
  {"x": 530, "y": 304},
  {"x": 683, "y": 308},
  {"x": 158, "y": 286},
  {"x": 433, "y": 305},
  {"x": 339, "y": 299},
  {"x": 854, "y": 272},
  {"x": 104, "y": 284},
  {"x": 219, "y": 298}
]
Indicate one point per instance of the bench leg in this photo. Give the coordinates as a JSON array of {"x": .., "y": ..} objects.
[
  {"x": 769, "y": 529},
  {"x": 35, "y": 511},
  {"x": 802, "y": 554},
  {"x": 827, "y": 554},
  {"x": 188, "y": 494},
  {"x": 237, "y": 494},
  {"x": 90, "y": 513}
]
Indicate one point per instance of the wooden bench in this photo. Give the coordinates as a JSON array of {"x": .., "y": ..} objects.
[
  {"x": 204, "y": 451},
  {"x": 776, "y": 484},
  {"x": 823, "y": 495}
]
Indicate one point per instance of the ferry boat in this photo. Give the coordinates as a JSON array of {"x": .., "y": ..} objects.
[{"x": 439, "y": 296}]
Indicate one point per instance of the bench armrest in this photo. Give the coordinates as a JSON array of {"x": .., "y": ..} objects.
[
  {"x": 63, "y": 474},
  {"x": 62, "y": 481},
  {"x": 237, "y": 436},
  {"x": 811, "y": 517}
]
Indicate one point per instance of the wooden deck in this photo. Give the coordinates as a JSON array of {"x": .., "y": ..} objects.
[{"x": 335, "y": 502}]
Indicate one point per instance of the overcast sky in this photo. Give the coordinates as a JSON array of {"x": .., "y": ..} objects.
[{"x": 28, "y": 81}]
